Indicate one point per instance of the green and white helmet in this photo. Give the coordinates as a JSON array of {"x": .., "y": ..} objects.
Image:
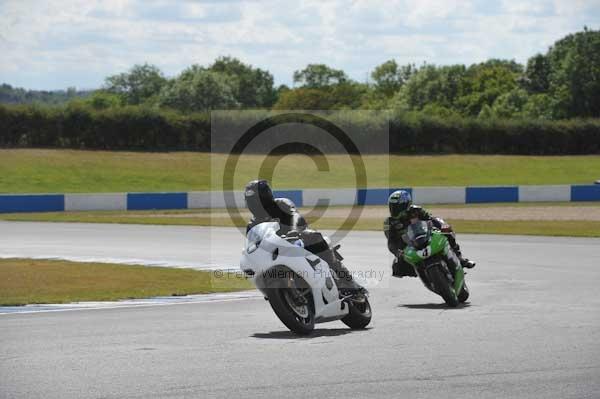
[{"x": 399, "y": 202}]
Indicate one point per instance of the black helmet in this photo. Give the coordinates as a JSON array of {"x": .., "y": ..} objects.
[
  {"x": 399, "y": 202},
  {"x": 259, "y": 198}
]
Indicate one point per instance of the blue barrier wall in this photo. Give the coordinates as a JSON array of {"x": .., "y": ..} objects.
[
  {"x": 146, "y": 201},
  {"x": 32, "y": 203},
  {"x": 294, "y": 195},
  {"x": 376, "y": 196},
  {"x": 585, "y": 193},
  {"x": 492, "y": 194}
]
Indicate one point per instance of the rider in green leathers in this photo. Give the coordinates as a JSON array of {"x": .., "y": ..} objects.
[{"x": 402, "y": 213}]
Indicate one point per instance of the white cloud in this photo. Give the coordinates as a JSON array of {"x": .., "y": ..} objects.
[{"x": 79, "y": 42}]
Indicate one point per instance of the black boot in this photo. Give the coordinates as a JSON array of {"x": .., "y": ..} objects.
[
  {"x": 401, "y": 268},
  {"x": 466, "y": 263},
  {"x": 344, "y": 278},
  {"x": 315, "y": 243},
  {"x": 346, "y": 284}
]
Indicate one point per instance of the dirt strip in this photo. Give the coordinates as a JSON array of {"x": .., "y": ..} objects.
[
  {"x": 546, "y": 212},
  {"x": 590, "y": 213}
]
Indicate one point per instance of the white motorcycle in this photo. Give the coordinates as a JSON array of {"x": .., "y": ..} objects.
[{"x": 298, "y": 284}]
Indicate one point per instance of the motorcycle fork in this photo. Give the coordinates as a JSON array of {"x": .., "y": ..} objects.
[
  {"x": 422, "y": 273},
  {"x": 458, "y": 274}
]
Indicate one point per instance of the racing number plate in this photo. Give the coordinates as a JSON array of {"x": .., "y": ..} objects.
[{"x": 425, "y": 252}]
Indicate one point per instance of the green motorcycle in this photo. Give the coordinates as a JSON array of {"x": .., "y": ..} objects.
[{"x": 436, "y": 264}]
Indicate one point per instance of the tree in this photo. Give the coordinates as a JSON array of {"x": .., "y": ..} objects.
[
  {"x": 423, "y": 88},
  {"x": 540, "y": 106},
  {"x": 347, "y": 95},
  {"x": 18, "y": 95},
  {"x": 509, "y": 105},
  {"x": 484, "y": 83},
  {"x": 537, "y": 74},
  {"x": 102, "y": 100},
  {"x": 389, "y": 77},
  {"x": 303, "y": 98},
  {"x": 458, "y": 89},
  {"x": 431, "y": 84},
  {"x": 138, "y": 84},
  {"x": 342, "y": 96},
  {"x": 316, "y": 76},
  {"x": 254, "y": 85},
  {"x": 375, "y": 99},
  {"x": 322, "y": 88},
  {"x": 439, "y": 111},
  {"x": 199, "y": 89},
  {"x": 282, "y": 89},
  {"x": 574, "y": 79},
  {"x": 486, "y": 112},
  {"x": 510, "y": 65}
]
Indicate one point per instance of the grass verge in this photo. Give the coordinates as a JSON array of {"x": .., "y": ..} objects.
[
  {"x": 168, "y": 217},
  {"x": 565, "y": 228},
  {"x": 207, "y": 217},
  {"x": 59, "y": 171},
  {"x": 27, "y": 281},
  {"x": 571, "y": 228}
]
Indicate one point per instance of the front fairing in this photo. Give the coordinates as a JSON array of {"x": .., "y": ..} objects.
[
  {"x": 259, "y": 233},
  {"x": 266, "y": 254},
  {"x": 437, "y": 245}
]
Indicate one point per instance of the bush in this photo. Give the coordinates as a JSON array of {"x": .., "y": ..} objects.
[
  {"x": 80, "y": 126},
  {"x": 142, "y": 128}
]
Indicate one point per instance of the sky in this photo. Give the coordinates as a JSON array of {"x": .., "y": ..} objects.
[{"x": 77, "y": 43}]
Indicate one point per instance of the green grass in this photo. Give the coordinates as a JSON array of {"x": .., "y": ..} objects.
[
  {"x": 565, "y": 228},
  {"x": 48, "y": 171},
  {"x": 203, "y": 217},
  {"x": 569, "y": 228},
  {"x": 165, "y": 217},
  {"x": 26, "y": 281}
]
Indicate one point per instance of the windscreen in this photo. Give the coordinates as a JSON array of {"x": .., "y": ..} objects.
[
  {"x": 419, "y": 234},
  {"x": 418, "y": 229},
  {"x": 258, "y": 232}
]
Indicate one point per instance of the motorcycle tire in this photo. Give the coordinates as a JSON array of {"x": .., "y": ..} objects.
[
  {"x": 292, "y": 320},
  {"x": 464, "y": 293},
  {"x": 359, "y": 314},
  {"x": 442, "y": 286}
]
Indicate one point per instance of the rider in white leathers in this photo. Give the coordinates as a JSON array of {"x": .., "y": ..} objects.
[{"x": 265, "y": 208}]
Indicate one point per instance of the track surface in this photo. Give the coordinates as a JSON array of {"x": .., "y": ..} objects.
[{"x": 532, "y": 330}]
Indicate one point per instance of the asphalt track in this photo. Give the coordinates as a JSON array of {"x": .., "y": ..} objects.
[{"x": 531, "y": 329}]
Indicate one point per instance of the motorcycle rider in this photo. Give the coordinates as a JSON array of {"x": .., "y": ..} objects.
[
  {"x": 265, "y": 208},
  {"x": 402, "y": 213}
]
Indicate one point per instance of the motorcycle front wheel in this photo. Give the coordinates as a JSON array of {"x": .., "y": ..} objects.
[
  {"x": 442, "y": 286},
  {"x": 293, "y": 306},
  {"x": 464, "y": 293}
]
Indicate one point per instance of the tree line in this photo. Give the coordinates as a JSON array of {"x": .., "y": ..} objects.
[
  {"x": 548, "y": 106},
  {"x": 17, "y": 95},
  {"x": 560, "y": 84}
]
